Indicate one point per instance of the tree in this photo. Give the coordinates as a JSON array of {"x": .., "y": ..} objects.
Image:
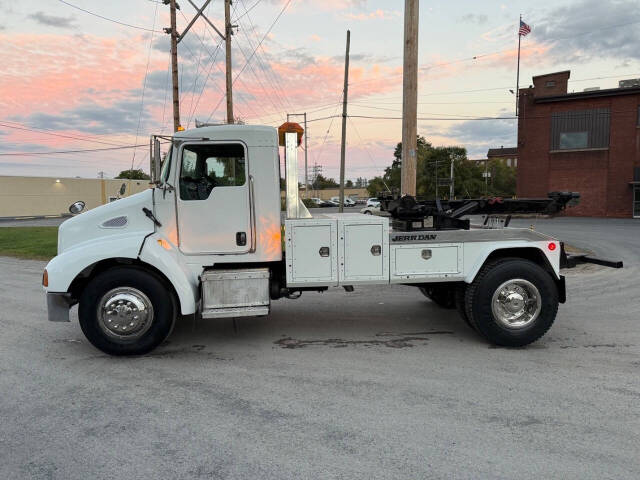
[
  {"x": 434, "y": 165},
  {"x": 348, "y": 184},
  {"x": 322, "y": 182},
  {"x": 133, "y": 174},
  {"x": 502, "y": 182}
]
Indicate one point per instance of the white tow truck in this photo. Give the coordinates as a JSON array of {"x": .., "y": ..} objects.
[{"x": 208, "y": 240}]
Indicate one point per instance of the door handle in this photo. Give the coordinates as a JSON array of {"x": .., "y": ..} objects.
[
  {"x": 324, "y": 251},
  {"x": 241, "y": 239}
]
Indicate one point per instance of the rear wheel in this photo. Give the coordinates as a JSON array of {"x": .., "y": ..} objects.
[
  {"x": 126, "y": 311},
  {"x": 512, "y": 302}
]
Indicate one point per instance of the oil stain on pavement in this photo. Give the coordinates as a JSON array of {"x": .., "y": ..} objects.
[{"x": 399, "y": 340}]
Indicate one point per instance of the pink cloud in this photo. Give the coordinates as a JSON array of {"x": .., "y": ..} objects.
[{"x": 377, "y": 14}]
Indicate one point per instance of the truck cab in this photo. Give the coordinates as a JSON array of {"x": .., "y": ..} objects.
[{"x": 207, "y": 239}]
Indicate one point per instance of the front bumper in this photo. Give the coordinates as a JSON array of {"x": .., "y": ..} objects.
[{"x": 58, "y": 305}]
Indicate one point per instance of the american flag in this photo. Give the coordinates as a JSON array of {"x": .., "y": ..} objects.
[{"x": 524, "y": 29}]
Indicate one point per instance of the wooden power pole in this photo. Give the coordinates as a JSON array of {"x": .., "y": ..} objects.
[
  {"x": 410, "y": 98},
  {"x": 228, "y": 33},
  {"x": 174, "y": 66},
  {"x": 344, "y": 120}
]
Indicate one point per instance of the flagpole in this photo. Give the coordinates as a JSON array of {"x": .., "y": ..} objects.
[{"x": 518, "y": 71}]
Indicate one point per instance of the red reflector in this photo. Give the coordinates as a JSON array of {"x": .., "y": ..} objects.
[{"x": 551, "y": 246}]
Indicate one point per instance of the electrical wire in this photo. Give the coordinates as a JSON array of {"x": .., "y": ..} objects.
[
  {"x": 144, "y": 83},
  {"x": 271, "y": 77},
  {"x": 107, "y": 18},
  {"x": 286, "y": 5},
  {"x": 16, "y": 154},
  {"x": 247, "y": 10},
  {"x": 28, "y": 129}
]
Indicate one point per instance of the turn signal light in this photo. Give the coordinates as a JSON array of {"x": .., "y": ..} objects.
[
  {"x": 45, "y": 278},
  {"x": 551, "y": 246}
]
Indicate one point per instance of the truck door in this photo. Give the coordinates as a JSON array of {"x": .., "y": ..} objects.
[{"x": 213, "y": 198}]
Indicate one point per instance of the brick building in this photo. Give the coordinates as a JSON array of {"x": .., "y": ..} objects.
[
  {"x": 508, "y": 155},
  {"x": 587, "y": 142}
]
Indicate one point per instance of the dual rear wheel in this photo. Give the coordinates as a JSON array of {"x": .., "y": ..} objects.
[{"x": 511, "y": 302}]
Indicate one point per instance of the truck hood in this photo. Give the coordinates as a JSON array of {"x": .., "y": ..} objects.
[{"x": 122, "y": 217}]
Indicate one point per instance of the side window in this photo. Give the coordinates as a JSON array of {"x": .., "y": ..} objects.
[{"x": 205, "y": 167}]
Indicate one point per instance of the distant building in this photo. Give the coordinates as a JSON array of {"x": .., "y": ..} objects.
[
  {"x": 508, "y": 155},
  {"x": 587, "y": 142},
  {"x": 50, "y": 196}
]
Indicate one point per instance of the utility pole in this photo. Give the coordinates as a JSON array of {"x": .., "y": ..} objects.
[
  {"x": 410, "y": 98},
  {"x": 175, "y": 40},
  {"x": 227, "y": 33},
  {"x": 306, "y": 150},
  {"x": 174, "y": 66},
  {"x": 344, "y": 121},
  {"x": 451, "y": 189},
  {"x": 437, "y": 177}
]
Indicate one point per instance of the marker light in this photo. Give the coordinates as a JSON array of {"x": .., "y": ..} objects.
[
  {"x": 45, "y": 278},
  {"x": 551, "y": 246},
  {"x": 180, "y": 128},
  {"x": 164, "y": 244}
]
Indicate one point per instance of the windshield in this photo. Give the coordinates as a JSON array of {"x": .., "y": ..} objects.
[{"x": 166, "y": 166}]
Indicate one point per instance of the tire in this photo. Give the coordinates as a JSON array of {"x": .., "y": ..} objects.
[
  {"x": 512, "y": 302},
  {"x": 126, "y": 298},
  {"x": 441, "y": 295}
]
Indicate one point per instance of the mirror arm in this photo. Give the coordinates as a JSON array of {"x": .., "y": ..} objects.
[{"x": 167, "y": 186}]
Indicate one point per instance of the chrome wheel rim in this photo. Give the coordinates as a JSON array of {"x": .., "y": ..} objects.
[
  {"x": 516, "y": 303},
  {"x": 125, "y": 314}
]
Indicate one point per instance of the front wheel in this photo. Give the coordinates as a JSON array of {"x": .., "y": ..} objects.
[
  {"x": 512, "y": 302},
  {"x": 126, "y": 311}
]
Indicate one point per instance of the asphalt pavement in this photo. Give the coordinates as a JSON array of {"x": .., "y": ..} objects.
[{"x": 378, "y": 383}]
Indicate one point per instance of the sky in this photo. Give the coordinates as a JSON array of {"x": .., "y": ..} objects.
[{"x": 73, "y": 80}]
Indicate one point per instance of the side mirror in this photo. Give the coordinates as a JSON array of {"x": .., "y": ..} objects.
[
  {"x": 76, "y": 207},
  {"x": 156, "y": 161},
  {"x": 123, "y": 188}
]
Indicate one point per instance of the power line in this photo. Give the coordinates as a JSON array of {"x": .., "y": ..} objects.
[
  {"x": 144, "y": 83},
  {"x": 108, "y": 19},
  {"x": 438, "y": 119},
  {"x": 28, "y": 129},
  {"x": 286, "y": 5},
  {"x": 247, "y": 10},
  {"x": 16, "y": 154},
  {"x": 275, "y": 82}
]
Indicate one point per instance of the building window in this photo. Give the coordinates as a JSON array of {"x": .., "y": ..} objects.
[
  {"x": 550, "y": 83},
  {"x": 574, "y": 140},
  {"x": 580, "y": 130},
  {"x": 638, "y": 121}
]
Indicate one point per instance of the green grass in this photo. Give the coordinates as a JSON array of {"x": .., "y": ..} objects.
[{"x": 37, "y": 243}]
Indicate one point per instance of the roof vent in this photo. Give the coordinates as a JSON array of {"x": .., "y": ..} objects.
[{"x": 634, "y": 82}]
